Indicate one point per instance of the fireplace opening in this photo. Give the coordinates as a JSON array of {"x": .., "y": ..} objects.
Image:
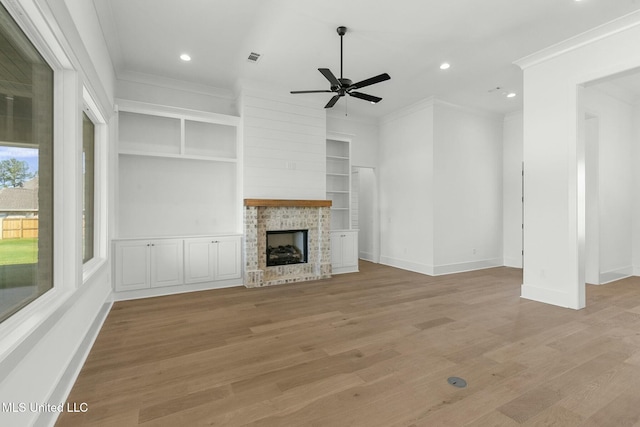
[{"x": 286, "y": 247}]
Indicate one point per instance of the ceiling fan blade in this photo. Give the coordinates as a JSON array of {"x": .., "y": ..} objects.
[
  {"x": 332, "y": 101},
  {"x": 370, "y": 81},
  {"x": 329, "y": 76},
  {"x": 366, "y": 97},
  {"x": 310, "y": 91}
]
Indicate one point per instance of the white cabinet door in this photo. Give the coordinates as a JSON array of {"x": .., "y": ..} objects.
[
  {"x": 350, "y": 248},
  {"x": 344, "y": 251},
  {"x": 212, "y": 258},
  {"x": 132, "y": 265},
  {"x": 336, "y": 249},
  {"x": 167, "y": 262},
  {"x": 198, "y": 260},
  {"x": 228, "y": 257}
]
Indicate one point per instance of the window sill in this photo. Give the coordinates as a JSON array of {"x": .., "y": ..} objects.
[
  {"x": 91, "y": 267},
  {"x": 18, "y": 328}
]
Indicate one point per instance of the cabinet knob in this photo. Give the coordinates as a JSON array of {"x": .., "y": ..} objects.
[{"x": 148, "y": 244}]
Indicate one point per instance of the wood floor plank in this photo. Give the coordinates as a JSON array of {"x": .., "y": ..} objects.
[{"x": 373, "y": 348}]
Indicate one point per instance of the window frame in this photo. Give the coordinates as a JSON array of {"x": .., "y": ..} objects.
[
  {"x": 37, "y": 317},
  {"x": 100, "y": 190}
]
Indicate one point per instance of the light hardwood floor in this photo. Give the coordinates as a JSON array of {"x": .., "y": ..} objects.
[{"x": 368, "y": 349}]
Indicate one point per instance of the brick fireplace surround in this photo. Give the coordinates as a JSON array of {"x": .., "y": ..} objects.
[{"x": 262, "y": 215}]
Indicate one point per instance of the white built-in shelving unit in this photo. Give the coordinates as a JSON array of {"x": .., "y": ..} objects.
[
  {"x": 339, "y": 183},
  {"x": 178, "y": 182},
  {"x": 344, "y": 239}
]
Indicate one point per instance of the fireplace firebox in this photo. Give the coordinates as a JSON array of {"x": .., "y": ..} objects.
[{"x": 286, "y": 247}]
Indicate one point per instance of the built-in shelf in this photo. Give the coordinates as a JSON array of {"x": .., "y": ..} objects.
[
  {"x": 178, "y": 171},
  {"x": 287, "y": 203},
  {"x": 338, "y": 175},
  {"x": 177, "y": 156}
]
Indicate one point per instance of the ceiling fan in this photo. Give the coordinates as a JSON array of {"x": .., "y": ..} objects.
[{"x": 342, "y": 86}]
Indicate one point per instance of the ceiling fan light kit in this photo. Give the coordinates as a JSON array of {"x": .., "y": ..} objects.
[{"x": 343, "y": 86}]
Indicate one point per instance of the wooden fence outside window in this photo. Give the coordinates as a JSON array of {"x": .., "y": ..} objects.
[{"x": 19, "y": 228}]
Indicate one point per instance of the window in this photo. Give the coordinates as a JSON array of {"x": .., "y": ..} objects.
[
  {"x": 26, "y": 170},
  {"x": 88, "y": 188}
]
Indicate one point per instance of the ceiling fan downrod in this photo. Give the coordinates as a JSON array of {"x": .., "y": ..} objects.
[{"x": 341, "y": 32}]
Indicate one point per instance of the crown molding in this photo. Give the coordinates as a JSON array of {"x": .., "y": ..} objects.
[
  {"x": 169, "y": 83},
  {"x": 603, "y": 31}
]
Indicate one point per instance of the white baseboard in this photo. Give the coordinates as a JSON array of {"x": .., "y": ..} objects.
[
  {"x": 172, "y": 290},
  {"x": 343, "y": 270},
  {"x": 367, "y": 256},
  {"x": 407, "y": 265},
  {"x": 461, "y": 267},
  {"x": 439, "y": 270},
  {"x": 512, "y": 262},
  {"x": 547, "y": 296},
  {"x": 617, "y": 274}
]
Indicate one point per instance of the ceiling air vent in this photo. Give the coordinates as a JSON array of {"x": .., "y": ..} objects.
[{"x": 253, "y": 57}]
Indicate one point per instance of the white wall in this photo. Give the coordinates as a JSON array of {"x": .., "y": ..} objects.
[
  {"x": 155, "y": 90},
  {"x": 608, "y": 186},
  {"x": 592, "y": 200},
  {"x": 467, "y": 184},
  {"x": 441, "y": 188},
  {"x": 284, "y": 147},
  {"x": 615, "y": 118},
  {"x": 367, "y": 220},
  {"x": 41, "y": 354},
  {"x": 363, "y": 133},
  {"x": 512, "y": 190},
  {"x": 554, "y": 155},
  {"x": 635, "y": 177},
  {"x": 406, "y": 188}
]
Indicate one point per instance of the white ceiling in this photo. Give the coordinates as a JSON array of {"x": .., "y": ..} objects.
[{"x": 406, "y": 38}]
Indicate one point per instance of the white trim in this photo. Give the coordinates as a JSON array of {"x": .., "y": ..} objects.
[
  {"x": 410, "y": 109},
  {"x": 462, "y": 267},
  {"x": 100, "y": 190},
  {"x": 340, "y": 136},
  {"x": 469, "y": 110},
  {"x": 21, "y": 326},
  {"x": 33, "y": 21},
  {"x": 344, "y": 270},
  {"x": 547, "y": 296},
  {"x": 169, "y": 83},
  {"x": 70, "y": 375},
  {"x": 512, "y": 262},
  {"x": 617, "y": 274},
  {"x": 603, "y": 31},
  {"x": 175, "y": 112},
  {"x": 175, "y": 290},
  {"x": 367, "y": 256},
  {"x": 407, "y": 265}
]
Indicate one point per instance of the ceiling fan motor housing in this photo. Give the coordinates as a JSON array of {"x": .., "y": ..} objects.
[{"x": 342, "y": 86}]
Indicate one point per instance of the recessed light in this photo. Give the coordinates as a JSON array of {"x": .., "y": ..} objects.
[
  {"x": 445, "y": 66},
  {"x": 185, "y": 57},
  {"x": 511, "y": 95}
]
